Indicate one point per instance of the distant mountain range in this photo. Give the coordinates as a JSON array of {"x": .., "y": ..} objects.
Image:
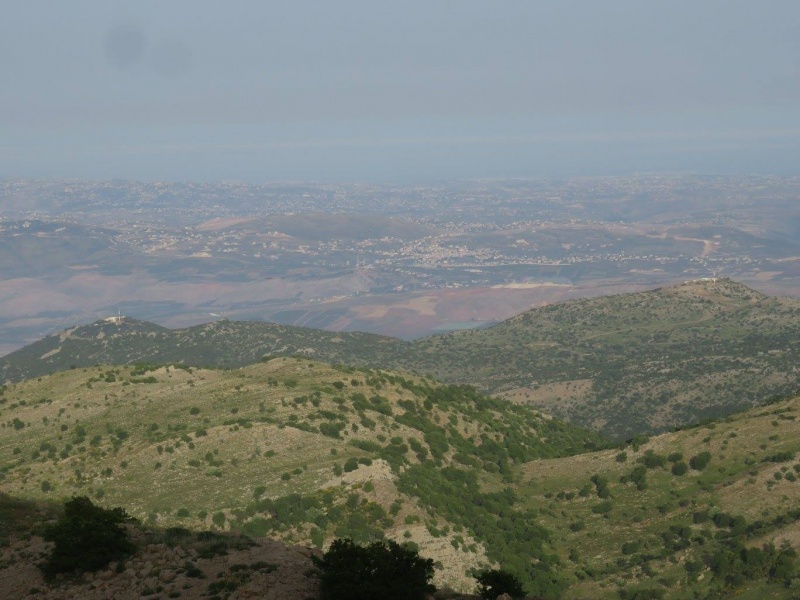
[{"x": 621, "y": 365}]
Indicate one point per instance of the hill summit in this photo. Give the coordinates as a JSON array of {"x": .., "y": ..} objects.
[{"x": 632, "y": 363}]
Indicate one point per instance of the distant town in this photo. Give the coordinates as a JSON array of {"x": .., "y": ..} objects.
[{"x": 389, "y": 259}]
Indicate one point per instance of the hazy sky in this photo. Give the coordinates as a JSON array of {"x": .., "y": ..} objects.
[{"x": 265, "y": 90}]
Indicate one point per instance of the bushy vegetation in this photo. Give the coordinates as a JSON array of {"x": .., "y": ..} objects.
[
  {"x": 511, "y": 535},
  {"x": 87, "y": 538},
  {"x": 700, "y": 461},
  {"x": 384, "y": 570},
  {"x": 494, "y": 583}
]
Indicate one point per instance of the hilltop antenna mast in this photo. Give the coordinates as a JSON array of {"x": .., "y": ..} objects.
[{"x": 117, "y": 319}]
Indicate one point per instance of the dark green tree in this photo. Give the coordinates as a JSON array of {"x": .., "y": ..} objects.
[
  {"x": 492, "y": 584},
  {"x": 87, "y": 537},
  {"x": 700, "y": 461},
  {"x": 384, "y": 570}
]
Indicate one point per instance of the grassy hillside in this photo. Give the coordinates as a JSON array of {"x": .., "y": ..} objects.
[
  {"x": 304, "y": 452},
  {"x": 632, "y": 363},
  {"x": 621, "y": 365},
  {"x": 686, "y": 514},
  {"x": 288, "y": 448}
]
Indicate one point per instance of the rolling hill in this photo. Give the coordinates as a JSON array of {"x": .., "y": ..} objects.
[
  {"x": 223, "y": 343},
  {"x": 631, "y": 363},
  {"x": 622, "y": 365},
  {"x": 288, "y": 448},
  {"x": 304, "y": 452}
]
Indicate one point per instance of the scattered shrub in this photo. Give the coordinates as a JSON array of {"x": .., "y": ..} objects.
[
  {"x": 779, "y": 457},
  {"x": 679, "y": 468},
  {"x": 218, "y": 519},
  {"x": 700, "y": 461},
  {"x": 603, "y": 507},
  {"x": 642, "y": 594},
  {"x": 651, "y": 460}
]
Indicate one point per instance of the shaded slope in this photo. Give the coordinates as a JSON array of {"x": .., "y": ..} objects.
[{"x": 177, "y": 563}]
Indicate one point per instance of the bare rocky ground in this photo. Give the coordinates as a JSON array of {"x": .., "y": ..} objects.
[{"x": 266, "y": 569}]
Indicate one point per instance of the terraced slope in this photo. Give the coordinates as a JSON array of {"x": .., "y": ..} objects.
[
  {"x": 289, "y": 448},
  {"x": 300, "y": 451}
]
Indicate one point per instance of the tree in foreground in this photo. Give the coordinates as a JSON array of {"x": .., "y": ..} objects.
[
  {"x": 384, "y": 570},
  {"x": 87, "y": 537},
  {"x": 492, "y": 584}
]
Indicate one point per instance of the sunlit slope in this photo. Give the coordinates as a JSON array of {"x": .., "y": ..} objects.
[
  {"x": 680, "y": 512},
  {"x": 305, "y": 452},
  {"x": 288, "y": 448}
]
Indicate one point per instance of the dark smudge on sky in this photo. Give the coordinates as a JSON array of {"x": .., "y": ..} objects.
[{"x": 124, "y": 45}]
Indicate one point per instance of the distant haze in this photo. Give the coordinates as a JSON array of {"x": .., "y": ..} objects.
[{"x": 397, "y": 91}]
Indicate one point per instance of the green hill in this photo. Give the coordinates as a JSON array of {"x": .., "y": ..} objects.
[
  {"x": 708, "y": 512},
  {"x": 222, "y": 343},
  {"x": 304, "y": 452},
  {"x": 289, "y": 448},
  {"x": 622, "y": 365},
  {"x": 632, "y": 363}
]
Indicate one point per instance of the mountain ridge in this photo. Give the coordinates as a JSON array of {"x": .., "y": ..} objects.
[{"x": 622, "y": 364}]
